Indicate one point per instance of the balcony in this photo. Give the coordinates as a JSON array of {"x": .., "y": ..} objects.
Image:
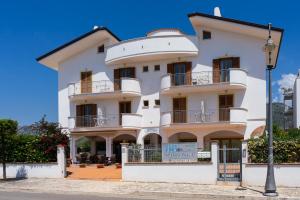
[
  {"x": 231, "y": 79},
  {"x": 124, "y": 121},
  {"x": 223, "y": 117},
  {"x": 151, "y": 48},
  {"x": 125, "y": 87}
]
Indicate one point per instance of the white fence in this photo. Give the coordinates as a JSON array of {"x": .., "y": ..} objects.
[
  {"x": 286, "y": 175},
  {"x": 38, "y": 170}
]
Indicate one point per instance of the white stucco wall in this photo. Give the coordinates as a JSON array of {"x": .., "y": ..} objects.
[
  {"x": 35, "y": 170},
  {"x": 286, "y": 175},
  {"x": 222, "y": 44}
]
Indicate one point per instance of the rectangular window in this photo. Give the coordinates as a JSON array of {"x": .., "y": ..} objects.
[
  {"x": 225, "y": 103},
  {"x": 128, "y": 72},
  {"x": 157, "y": 102},
  {"x": 180, "y": 73},
  {"x": 145, "y": 69},
  {"x": 146, "y": 103},
  {"x": 156, "y": 67},
  {"x": 101, "y": 49},
  {"x": 124, "y": 107},
  {"x": 85, "y": 115},
  {"x": 179, "y": 110},
  {"x": 86, "y": 82},
  {"x": 221, "y": 68},
  {"x": 206, "y": 35}
]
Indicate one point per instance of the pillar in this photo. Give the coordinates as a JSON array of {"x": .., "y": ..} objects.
[
  {"x": 93, "y": 146},
  {"x": 124, "y": 149},
  {"x": 200, "y": 142},
  {"x": 108, "y": 143},
  {"x": 73, "y": 149},
  {"x": 214, "y": 157},
  {"x": 61, "y": 160}
]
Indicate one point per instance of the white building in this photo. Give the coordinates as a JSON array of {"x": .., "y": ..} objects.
[{"x": 164, "y": 87}]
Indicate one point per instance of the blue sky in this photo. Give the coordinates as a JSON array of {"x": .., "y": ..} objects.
[{"x": 33, "y": 27}]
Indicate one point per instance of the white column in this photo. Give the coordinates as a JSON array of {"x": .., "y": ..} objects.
[
  {"x": 200, "y": 142},
  {"x": 124, "y": 153},
  {"x": 214, "y": 157},
  {"x": 93, "y": 146},
  {"x": 108, "y": 144},
  {"x": 61, "y": 160},
  {"x": 73, "y": 149}
]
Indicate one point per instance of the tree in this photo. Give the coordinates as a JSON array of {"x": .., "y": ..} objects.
[{"x": 8, "y": 128}]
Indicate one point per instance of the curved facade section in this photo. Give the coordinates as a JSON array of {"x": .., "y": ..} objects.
[
  {"x": 204, "y": 81},
  {"x": 124, "y": 87},
  {"x": 151, "y": 48}
]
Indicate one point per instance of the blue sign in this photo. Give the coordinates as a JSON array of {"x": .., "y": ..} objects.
[{"x": 180, "y": 152}]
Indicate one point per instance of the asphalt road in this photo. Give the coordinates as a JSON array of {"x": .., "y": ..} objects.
[{"x": 44, "y": 196}]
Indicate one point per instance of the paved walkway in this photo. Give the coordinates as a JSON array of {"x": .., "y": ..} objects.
[
  {"x": 138, "y": 189},
  {"x": 91, "y": 172}
]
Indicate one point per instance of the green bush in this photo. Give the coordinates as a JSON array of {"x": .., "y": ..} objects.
[
  {"x": 286, "y": 147},
  {"x": 31, "y": 148}
]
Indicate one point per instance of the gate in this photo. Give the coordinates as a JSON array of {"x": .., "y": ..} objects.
[{"x": 229, "y": 164}]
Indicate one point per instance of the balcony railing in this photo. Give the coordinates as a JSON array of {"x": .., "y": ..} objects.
[
  {"x": 130, "y": 85},
  {"x": 207, "y": 116},
  {"x": 233, "y": 75},
  {"x": 129, "y": 120}
]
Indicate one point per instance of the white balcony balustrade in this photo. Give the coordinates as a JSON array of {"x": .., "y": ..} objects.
[
  {"x": 204, "y": 81},
  {"x": 204, "y": 117},
  {"x": 105, "y": 89},
  {"x": 110, "y": 121}
]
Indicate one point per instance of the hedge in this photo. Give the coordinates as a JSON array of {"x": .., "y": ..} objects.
[{"x": 286, "y": 147}]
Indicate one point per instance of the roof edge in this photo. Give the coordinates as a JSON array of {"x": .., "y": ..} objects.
[
  {"x": 76, "y": 40},
  {"x": 235, "y": 21},
  {"x": 281, "y": 30}
]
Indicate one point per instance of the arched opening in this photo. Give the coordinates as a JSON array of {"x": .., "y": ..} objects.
[
  {"x": 259, "y": 131},
  {"x": 229, "y": 138},
  {"x": 182, "y": 137},
  {"x": 123, "y": 138},
  {"x": 152, "y": 140},
  {"x": 90, "y": 149}
]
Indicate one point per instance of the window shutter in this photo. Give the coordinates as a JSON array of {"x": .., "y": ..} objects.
[
  {"x": 188, "y": 73},
  {"x": 79, "y": 113},
  {"x": 117, "y": 81},
  {"x": 236, "y": 62},
  {"x": 94, "y": 109},
  {"x": 132, "y": 72},
  {"x": 79, "y": 110},
  {"x": 216, "y": 71},
  {"x": 170, "y": 68}
]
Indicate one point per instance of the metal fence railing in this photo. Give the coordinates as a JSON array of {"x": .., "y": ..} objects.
[
  {"x": 200, "y": 78},
  {"x": 154, "y": 154}
]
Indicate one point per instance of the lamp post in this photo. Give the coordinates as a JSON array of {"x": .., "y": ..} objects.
[{"x": 270, "y": 185}]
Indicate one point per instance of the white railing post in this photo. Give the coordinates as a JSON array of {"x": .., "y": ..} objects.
[
  {"x": 124, "y": 153},
  {"x": 214, "y": 157},
  {"x": 61, "y": 160}
]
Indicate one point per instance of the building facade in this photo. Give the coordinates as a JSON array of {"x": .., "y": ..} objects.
[{"x": 166, "y": 87}]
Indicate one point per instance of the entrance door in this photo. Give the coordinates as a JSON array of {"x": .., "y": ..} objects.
[
  {"x": 225, "y": 103},
  {"x": 179, "y": 110},
  {"x": 86, "y": 82},
  {"x": 229, "y": 160},
  {"x": 124, "y": 107}
]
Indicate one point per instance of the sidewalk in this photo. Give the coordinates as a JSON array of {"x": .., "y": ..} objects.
[{"x": 138, "y": 189}]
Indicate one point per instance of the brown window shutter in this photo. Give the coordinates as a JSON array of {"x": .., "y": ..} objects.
[
  {"x": 170, "y": 68},
  {"x": 117, "y": 81},
  {"x": 94, "y": 109},
  {"x": 188, "y": 73},
  {"x": 86, "y": 82},
  {"x": 216, "y": 71},
  {"x": 94, "y": 115},
  {"x": 79, "y": 114},
  {"x": 236, "y": 62}
]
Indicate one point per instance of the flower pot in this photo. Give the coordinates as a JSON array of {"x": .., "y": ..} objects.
[{"x": 100, "y": 165}]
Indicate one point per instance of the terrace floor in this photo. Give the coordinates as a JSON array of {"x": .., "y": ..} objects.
[{"x": 91, "y": 172}]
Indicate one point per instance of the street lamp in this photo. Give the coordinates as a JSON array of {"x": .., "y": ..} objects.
[{"x": 270, "y": 186}]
